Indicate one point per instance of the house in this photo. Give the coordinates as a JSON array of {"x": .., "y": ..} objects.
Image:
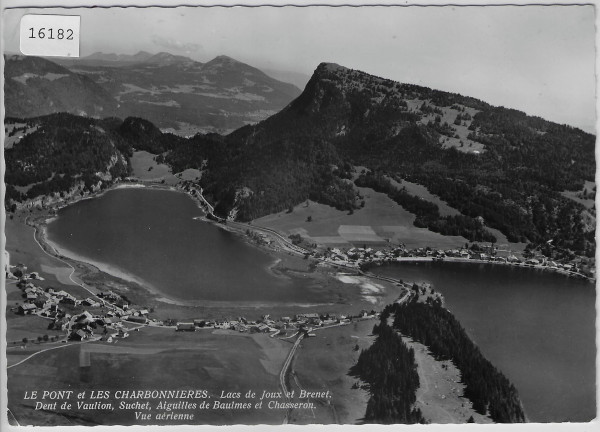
[
  {"x": 27, "y": 308},
  {"x": 279, "y": 325},
  {"x": 90, "y": 302},
  {"x": 308, "y": 316},
  {"x": 84, "y": 318},
  {"x": 78, "y": 335},
  {"x": 263, "y": 328},
  {"x": 67, "y": 300},
  {"x": 186, "y": 327},
  {"x": 138, "y": 319},
  {"x": 103, "y": 321},
  {"x": 40, "y": 302},
  {"x": 240, "y": 327},
  {"x": 199, "y": 322}
]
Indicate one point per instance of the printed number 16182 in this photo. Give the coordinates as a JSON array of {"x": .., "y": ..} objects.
[{"x": 50, "y": 33}]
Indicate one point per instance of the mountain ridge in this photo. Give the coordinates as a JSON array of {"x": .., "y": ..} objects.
[{"x": 494, "y": 165}]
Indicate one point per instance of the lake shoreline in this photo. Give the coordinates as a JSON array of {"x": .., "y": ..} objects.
[{"x": 99, "y": 276}]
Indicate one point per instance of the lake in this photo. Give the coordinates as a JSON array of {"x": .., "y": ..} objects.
[
  {"x": 537, "y": 327},
  {"x": 151, "y": 236}
]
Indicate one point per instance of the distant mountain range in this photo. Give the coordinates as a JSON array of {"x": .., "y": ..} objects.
[
  {"x": 119, "y": 60},
  {"x": 35, "y": 86},
  {"x": 176, "y": 93},
  {"x": 498, "y": 167}
]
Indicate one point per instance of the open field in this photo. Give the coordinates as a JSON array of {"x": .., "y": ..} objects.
[
  {"x": 145, "y": 167},
  {"x": 29, "y": 327},
  {"x": 380, "y": 222},
  {"x": 155, "y": 358},
  {"x": 190, "y": 174},
  {"x": 23, "y": 249},
  {"x": 12, "y": 138},
  {"x": 587, "y": 202},
  {"x": 323, "y": 362},
  {"x": 440, "y": 392}
]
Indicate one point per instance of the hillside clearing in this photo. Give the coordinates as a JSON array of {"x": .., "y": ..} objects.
[{"x": 381, "y": 222}]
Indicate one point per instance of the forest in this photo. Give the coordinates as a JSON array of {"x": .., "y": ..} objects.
[
  {"x": 389, "y": 369},
  {"x": 64, "y": 151}
]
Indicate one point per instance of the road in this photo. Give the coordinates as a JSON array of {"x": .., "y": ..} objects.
[
  {"x": 280, "y": 238},
  {"x": 50, "y": 349},
  {"x": 100, "y": 299},
  {"x": 64, "y": 262},
  {"x": 284, "y": 369}
]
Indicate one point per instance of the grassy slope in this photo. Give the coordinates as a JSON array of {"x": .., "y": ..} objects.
[
  {"x": 323, "y": 362},
  {"x": 440, "y": 393},
  {"x": 388, "y": 219},
  {"x": 145, "y": 168}
]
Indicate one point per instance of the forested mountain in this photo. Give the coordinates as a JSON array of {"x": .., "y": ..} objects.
[
  {"x": 34, "y": 86},
  {"x": 63, "y": 154},
  {"x": 491, "y": 163},
  {"x": 497, "y": 166}
]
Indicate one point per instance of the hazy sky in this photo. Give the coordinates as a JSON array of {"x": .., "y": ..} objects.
[{"x": 537, "y": 59}]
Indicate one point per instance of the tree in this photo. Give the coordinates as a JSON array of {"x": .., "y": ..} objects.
[{"x": 309, "y": 219}]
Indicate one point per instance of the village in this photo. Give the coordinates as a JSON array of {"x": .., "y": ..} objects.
[
  {"x": 110, "y": 316},
  {"x": 363, "y": 257}
]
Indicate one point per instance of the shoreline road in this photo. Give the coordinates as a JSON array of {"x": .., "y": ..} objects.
[
  {"x": 284, "y": 370},
  {"x": 285, "y": 242}
]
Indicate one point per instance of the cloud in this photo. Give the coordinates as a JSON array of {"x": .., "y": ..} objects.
[{"x": 177, "y": 45}]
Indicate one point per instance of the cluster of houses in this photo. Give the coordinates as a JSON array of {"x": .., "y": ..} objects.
[
  {"x": 280, "y": 326},
  {"x": 356, "y": 257},
  {"x": 59, "y": 307},
  {"x": 109, "y": 312}
]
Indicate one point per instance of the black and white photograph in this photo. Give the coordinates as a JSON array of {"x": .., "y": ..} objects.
[{"x": 298, "y": 214}]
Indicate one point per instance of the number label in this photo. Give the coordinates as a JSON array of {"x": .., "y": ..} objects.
[
  {"x": 60, "y": 33},
  {"x": 50, "y": 35}
]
